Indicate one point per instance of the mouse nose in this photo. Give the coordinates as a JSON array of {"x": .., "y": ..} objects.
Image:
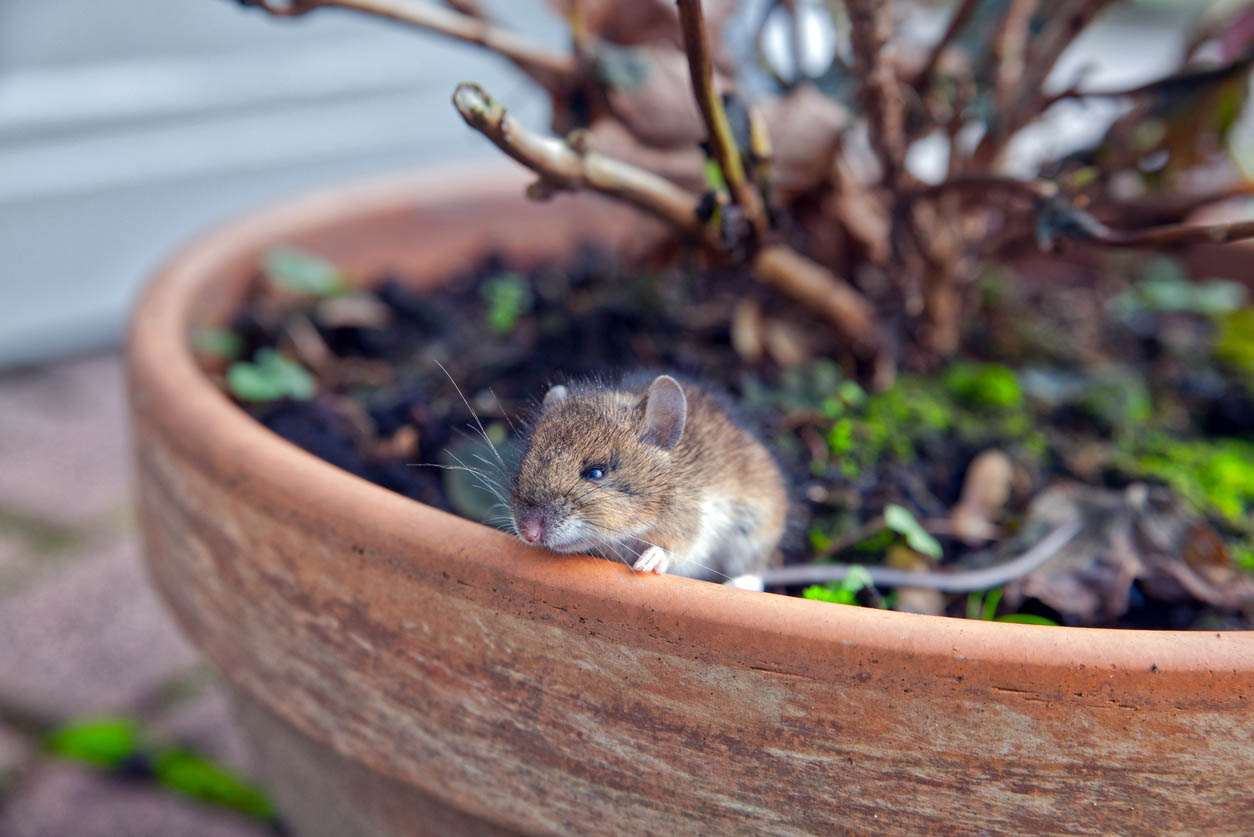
[{"x": 531, "y": 527}]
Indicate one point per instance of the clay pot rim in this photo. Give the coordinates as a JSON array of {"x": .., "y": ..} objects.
[{"x": 162, "y": 369}]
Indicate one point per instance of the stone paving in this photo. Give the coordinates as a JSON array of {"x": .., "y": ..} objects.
[{"x": 81, "y": 631}]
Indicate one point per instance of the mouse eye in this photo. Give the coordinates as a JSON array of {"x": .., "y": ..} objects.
[{"x": 594, "y": 472}]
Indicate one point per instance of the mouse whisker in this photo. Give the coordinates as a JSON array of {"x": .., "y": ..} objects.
[
  {"x": 475, "y": 415},
  {"x": 485, "y": 482},
  {"x": 477, "y": 471},
  {"x": 504, "y": 415}
]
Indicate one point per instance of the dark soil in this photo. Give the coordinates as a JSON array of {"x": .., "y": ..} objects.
[{"x": 1099, "y": 389}]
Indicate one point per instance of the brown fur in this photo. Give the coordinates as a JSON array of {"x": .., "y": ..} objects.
[{"x": 651, "y": 495}]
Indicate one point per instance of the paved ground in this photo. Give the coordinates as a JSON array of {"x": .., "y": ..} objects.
[{"x": 81, "y": 631}]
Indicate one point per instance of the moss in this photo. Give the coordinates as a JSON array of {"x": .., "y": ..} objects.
[
  {"x": 1216, "y": 474},
  {"x": 1234, "y": 342},
  {"x": 893, "y": 425},
  {"x": 984, "y": 386},
  {"x": 1243, "y": 555}
]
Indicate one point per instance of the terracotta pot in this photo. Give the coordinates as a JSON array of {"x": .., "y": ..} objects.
[{"x": 404, "y": 671}]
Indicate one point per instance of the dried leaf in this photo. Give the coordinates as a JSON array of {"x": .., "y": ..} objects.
[
  {"x": 358, "y": 310},
  {"x": 640, "y": 22},
  {"x": 1144, "y": 534},
  {"x": 985, "y": 490},
  {"x": 914, "y": 599},
  {"x": 785, "y": 344},
  {"x": 747, "y": 331},
  {"x": 660, "y": 110}
]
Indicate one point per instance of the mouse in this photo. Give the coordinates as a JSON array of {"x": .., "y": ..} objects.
[{"x": 652, "y": 472}]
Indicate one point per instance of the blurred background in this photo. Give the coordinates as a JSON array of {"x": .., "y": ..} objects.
[{"x": 126, "y": 128}]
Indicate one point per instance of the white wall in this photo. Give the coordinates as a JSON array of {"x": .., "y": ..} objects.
[{"x": 128, "y": 125}]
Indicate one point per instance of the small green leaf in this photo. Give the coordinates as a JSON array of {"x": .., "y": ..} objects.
[
  {"x": 104, "y": 742},
  {"x": 1165, "y": 286},
  {"x": 901, "y": 521},
  {"x": 819, "y": 540},
  {"x": 217, "y": 342},
  {"x": 269, "y": 377},
  {"x": 983, "y": 605},
  {"x": 198, "y": 778},
  {"x": 508, "y": 297},
  {"x": 1026, "y": 619},
  {"x": 303, "y": 272},
  {"x": 845, "y": 592}
]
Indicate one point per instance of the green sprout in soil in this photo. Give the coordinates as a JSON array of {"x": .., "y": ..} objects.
[
  {"x": 217, "y": 342},
  {"x": 269, "y": 377},
  {"x": 843, "y": 592},
  {"x": 508, "y": 297},
  {"x": 900, "y": 520},
  {"x": 1165, "y": 287},
  {"x": 303, "y": 272}
]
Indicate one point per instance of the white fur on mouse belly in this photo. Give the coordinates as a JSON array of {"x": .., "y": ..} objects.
[{"x": 725, "y": 544}]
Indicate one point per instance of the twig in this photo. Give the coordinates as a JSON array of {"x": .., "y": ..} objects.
[
  {"x": 567, "y": 166},
  {"x": 1010, "y": 51},
  {"x": 871, "y": 24},
  {"x": 980, "y": 183},
  {"x": 963, "y": 581},
  {"x": 1043, "y": 53},
  {"x": 577, "y": 18},
  {"x": 1166, "y": 87},
  {"x": 470, "y": 8},
  {"x": 1086, "y": 227},
  {"x": 1168, "y": 235},
  {"x": 563, "y": 165},
  {"x": 537, "y": 61},
  {"x": 959, "y": 20},
  {"x": 722, "y": 142}
]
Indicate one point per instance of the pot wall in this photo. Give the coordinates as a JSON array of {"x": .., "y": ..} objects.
[{"x": 508, "y": 688}]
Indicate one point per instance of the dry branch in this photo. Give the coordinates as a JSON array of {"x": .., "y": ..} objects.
[
  {"x": 1043, "y": 53},
  {"x": 1172, "y": 235},
  {"x": 541, "y": 63},
  {"x": 881, "y": 94},
  {"x": 563, "y": 165},
  {"x": 722, "y": 143},
  {"x": 959, "y": 20}
]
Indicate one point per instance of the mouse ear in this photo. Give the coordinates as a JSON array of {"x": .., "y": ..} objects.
[
  {"x": 665, "y": 412},
  {"x": 555, "y": 394}
]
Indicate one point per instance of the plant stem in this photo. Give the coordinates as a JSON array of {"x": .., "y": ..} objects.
[
  {"x": 1173, "y": 235},
  {"x": 564, "y": 165},
  {"x": 961, "y": 15},
  {"x": 871, "y": 23},
  {"x": 537, "y": 61},
  {"x": 722, "y": 142}
]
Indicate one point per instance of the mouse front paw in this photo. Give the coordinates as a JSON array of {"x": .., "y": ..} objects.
[{"x": 653, "y": 560}]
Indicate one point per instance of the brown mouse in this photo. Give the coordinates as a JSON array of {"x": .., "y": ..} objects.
[{"x": 652, "y": 473}]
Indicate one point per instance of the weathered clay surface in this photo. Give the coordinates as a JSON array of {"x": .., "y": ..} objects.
[{"x": 560, "y": 694}]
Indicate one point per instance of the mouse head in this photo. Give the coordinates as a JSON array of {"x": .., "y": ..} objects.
[{"x": 597, "y": 470}]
